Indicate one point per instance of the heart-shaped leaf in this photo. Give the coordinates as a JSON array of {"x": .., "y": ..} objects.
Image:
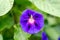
[
  {"x": 5, "y": 6},
  {"x": 50, "y": 6}
]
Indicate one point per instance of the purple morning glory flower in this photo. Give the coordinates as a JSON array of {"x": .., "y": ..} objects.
[
  {"x": 31, "y": 21},
  {"x": 44, "y": 36}
]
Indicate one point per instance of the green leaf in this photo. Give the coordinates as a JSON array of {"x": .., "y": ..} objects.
[
  {"x": 50, "y": 6},
  {"x": 6, "y": 22},
  {"x": 19, "y": 34},
  {"x": 8, "y": 34},
  {"x": 52, "y": 33},
  {"x": 5, "y": 6},
  {"x": 21, "y": 2},
  {"x": 51, "y": 20},
  {"x": 57, "y": 28},
  {"x": 1, "y": 38}
]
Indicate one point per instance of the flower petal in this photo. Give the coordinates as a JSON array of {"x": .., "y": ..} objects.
[{"x": 44, "y": 36}]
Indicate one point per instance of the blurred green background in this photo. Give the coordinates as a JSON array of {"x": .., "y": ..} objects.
[{"x": 10, "y": 11}]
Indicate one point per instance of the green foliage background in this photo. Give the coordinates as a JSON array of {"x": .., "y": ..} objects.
[{"x": 10, "y": 28}]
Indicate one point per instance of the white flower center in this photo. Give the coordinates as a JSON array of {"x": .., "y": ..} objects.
[{"x": 31, "y": 20}]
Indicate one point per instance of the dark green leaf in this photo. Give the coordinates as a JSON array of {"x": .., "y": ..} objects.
[{"x": 6, "y": 22}]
